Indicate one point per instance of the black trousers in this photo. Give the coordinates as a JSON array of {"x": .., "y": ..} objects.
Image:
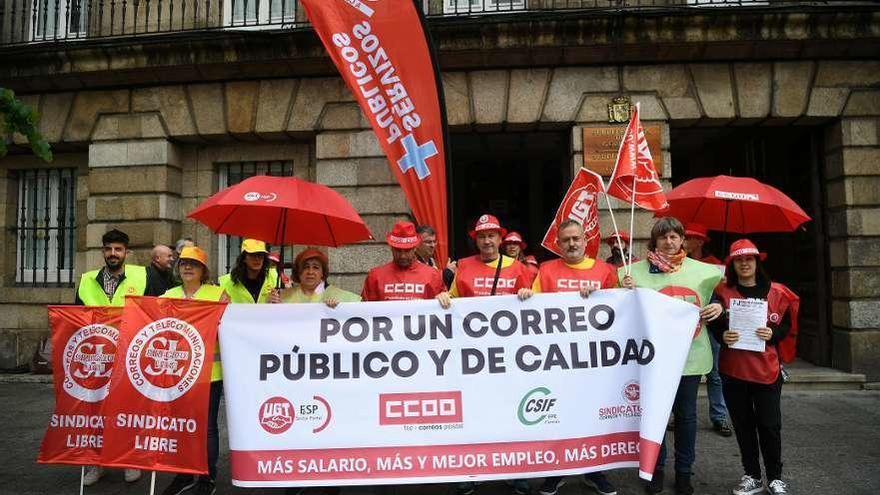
[
  {"x": 213, "y": 431},
  {"x": 757, "y": 420}
]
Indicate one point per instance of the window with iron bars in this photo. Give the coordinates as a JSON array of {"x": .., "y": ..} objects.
[
  {"x": 45, "y": 229},
  {"x": 230, "y": 174}
]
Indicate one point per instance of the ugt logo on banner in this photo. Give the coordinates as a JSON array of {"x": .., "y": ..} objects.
[
  {"x": 157, "y": 410},
  {"x": 84, "y": 341}
]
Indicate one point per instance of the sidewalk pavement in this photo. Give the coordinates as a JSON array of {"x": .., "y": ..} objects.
[{"x": 831, "y": 444}]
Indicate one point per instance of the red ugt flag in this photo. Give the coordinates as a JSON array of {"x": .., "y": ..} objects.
[
  {"x": 157, "y": 410},
  {"x": 634, "y": 161},
  {"x": 581, "y": 203},
  {"x": 382, "y": 53},
  {"x": 84, "y": 341}
]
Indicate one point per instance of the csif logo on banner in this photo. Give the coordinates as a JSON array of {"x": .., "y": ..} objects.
[
  {"x": 537, "y": 407},
  {"x": 277, "y": 414}
]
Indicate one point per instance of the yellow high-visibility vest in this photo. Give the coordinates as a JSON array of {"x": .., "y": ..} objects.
[{"x": 91, "y": 292}]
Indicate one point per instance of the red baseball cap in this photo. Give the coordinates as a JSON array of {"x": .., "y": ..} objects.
[
  {"x": 274, "y": 256},
  {"x": 744, "y": 247},
  {"x": 487, "y": 222},
  {"x": 403, "y": 236},
  {"x": 514, "y": 237},
  {"x": 696, "y": 230},
  {"x": 624, "y": 238},
  {"x": 531, "y": 260}
]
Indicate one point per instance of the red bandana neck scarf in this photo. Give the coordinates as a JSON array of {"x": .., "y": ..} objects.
[{"x": 667, "y": 263}]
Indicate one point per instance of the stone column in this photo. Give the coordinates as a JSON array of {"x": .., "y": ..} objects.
[
  {"x": 135, "y": 186},
  {"x": 352, "y": 162},
  {"x": 852, "y": 168}
]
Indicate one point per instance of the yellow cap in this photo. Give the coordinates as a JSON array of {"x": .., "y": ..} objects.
[
  {"x": 253, "y": 246},
  {"x": 194, "y": 253}
]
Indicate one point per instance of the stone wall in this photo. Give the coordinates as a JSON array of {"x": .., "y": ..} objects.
[{"x": 152, "y": 151}]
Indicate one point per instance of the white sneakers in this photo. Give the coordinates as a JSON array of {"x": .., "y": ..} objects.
[
  {"x": 748, "y": 486},
  {"x": 777, "y": 487},
  {"x": 132, "y": 475},
  {"x": 95, "y": 473}
]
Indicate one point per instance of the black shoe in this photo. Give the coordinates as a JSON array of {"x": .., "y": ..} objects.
[
  {"x": 722, "y": 428},
  {"x": 466, "y": 488},
  {"x": 180, "y": 484},
  {"x": 205, "y": 486},
  {"x": 551, "y": 485},
  {"x": 683, "y": 484},
  {"x": 656, "y": 483},
  {"x": 598, "y": 481}
]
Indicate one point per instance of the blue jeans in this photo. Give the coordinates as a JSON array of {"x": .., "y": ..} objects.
[
  {"x": 685, "y": 411},
  {"x": 717, "y": 407}
]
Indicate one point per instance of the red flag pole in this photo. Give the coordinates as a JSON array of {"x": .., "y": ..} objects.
[{"x": 632, "y": 206}]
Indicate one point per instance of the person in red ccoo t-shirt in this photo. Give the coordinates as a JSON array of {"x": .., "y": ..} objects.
[
  {"x": 574, "y": 272},
  {"x": 403, "y": 278}
]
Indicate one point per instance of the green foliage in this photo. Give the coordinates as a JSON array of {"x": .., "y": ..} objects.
[{"x": 15, "y": 116}]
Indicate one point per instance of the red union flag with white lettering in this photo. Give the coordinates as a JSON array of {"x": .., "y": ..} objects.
[
  {"x": 381, "y": 49},
  {"x": 581, "y": 205},
  {"x": 84, "y": 341},
  {"x": 635, "y": 167},
  {"x": 157, "y": 410}
]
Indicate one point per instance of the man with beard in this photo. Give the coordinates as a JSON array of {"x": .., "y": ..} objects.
[
  {"x": 574, "y": 272},
  {"x": 108, "y": 287},
  {"x": 403, "y": 278}
]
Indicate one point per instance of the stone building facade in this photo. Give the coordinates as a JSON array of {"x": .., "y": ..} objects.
[{"x": 152, "y": 125}]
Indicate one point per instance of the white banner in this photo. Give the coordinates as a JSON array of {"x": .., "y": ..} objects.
[{"x": 493, "y": 388}]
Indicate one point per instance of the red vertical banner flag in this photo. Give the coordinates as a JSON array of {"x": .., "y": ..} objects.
[
  {"x": 581, "y": 204},
  {"x": 382, "y": 51},
  {"x": 84, "y": 343},
  {"x": 635, "y": 167},
  {"x": 157, "y": 410}
]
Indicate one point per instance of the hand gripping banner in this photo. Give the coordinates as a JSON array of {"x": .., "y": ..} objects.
[
  {"x": 581, "y": 204},
  {"x": 84, "y": 342},
  {"x": 157, "y": 410},
  {"x": 493, "y": 388},
  {"x": 382, "y": 52}
]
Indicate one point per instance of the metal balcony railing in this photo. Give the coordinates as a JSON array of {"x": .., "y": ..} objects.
[{"x": 36, "y": 21}]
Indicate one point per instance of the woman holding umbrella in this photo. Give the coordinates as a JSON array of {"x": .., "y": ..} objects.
[
  {"x": 192, "y": 269},
  {"x": 668, "y": 270},
  {"x": 751, "y": 380},
  {"x": 311, "y": 269}
]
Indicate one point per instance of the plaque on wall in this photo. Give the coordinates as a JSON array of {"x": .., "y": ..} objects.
[{"x": 601, "y": 145}]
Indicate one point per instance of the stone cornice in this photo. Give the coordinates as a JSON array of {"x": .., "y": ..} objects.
[{"x": 517, "y": 40}]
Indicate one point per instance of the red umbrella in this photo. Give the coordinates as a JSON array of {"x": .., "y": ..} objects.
[
  {"x": 734, "y": 204},
  {"x": 283, "y": 211}
]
